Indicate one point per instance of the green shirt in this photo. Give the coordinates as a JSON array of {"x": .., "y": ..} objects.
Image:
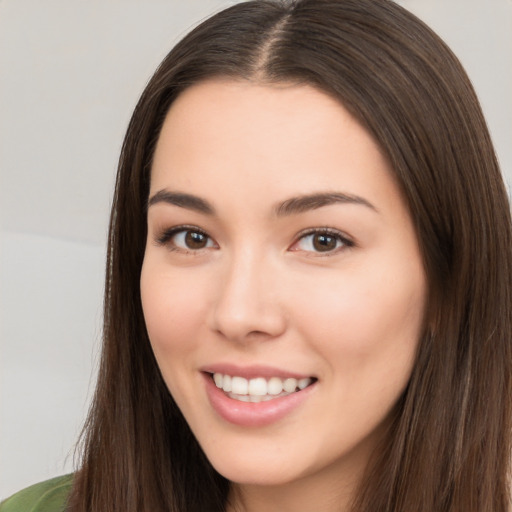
[{"x": 48, "y": 496}]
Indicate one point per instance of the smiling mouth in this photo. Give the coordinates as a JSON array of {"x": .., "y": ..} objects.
[{"x": 259, "y": 389}]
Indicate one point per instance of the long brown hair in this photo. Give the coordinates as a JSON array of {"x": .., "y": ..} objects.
[{"x": 449, "y": 445}]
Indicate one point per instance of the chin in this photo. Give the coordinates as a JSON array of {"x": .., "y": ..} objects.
[
  {"x": 245, "y": 468},
  {"x": 245, "y": 474}
]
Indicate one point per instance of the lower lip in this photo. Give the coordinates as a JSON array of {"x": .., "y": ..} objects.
[{"x": 250, "y": 414}]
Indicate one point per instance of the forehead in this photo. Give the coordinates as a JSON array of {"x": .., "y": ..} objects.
[{"x": 271, "y": 140}]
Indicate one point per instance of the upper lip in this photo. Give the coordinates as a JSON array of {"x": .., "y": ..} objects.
[{"x": 252, "y": 371}]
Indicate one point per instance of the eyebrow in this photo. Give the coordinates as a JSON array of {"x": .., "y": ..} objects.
[
  {"x": 183, "y": 200},
  {"x": 307, "y": 202},
  {"x": 294, "y": 205}
]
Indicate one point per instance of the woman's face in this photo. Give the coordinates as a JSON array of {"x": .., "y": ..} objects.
[{"x": 280, "y": 256}]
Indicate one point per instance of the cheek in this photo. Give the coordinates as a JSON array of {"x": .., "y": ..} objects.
[
  {"x": 367, "y": 323},
  {"x": 172, "y": 308},
  {"x": 173, "y": 311},
  {"x": 367, "y": 330}
]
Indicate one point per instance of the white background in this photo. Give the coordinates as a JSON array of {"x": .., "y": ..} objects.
[{"x": 71, "y": 72}]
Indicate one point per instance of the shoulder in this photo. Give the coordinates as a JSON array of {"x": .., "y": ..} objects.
[{"x": 48, "y": 496}]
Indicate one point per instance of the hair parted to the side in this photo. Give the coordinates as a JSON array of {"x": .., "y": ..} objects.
[{"x": 449, "y": 446}]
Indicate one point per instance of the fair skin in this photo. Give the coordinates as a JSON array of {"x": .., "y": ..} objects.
[{"x": 244, "y": 277}]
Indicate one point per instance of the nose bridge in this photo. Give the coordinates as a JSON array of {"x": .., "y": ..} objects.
[{"x": 247, "y": 301}]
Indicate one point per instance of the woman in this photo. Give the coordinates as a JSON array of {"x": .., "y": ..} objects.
[{"x": 308, "y": 285}]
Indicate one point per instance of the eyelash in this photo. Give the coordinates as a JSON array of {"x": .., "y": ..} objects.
[
  {"x": 344, "y": 240},
  {"x": 167, "y": 235}
]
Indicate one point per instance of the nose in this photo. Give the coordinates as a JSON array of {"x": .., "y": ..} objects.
[{"x": 247, "y": 305}]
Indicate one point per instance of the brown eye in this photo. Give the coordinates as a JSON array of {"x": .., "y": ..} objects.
[
  {"x": 186, "y": 239},
  {"x": 324, "y": 242},
  {"x": 195, "y": 240}
]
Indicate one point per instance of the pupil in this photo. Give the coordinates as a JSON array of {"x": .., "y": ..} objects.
[
  {"x": 195, "y": 240},
  {"x": 324, "y": 243}
]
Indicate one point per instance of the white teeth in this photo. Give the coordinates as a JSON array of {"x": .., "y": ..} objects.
[
  {"x": 274, "y": 386},
  {"x": 258, "y": 389},
  {"x": 290, "y": 385},
  {"x": 239, "y": 386},
  {"x": 226, "y": 383},
  {"x": 303, "y": 383},
  {"x": 218, "y": 378}
]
